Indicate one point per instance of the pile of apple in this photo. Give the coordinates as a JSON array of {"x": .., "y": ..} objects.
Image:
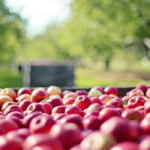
[{"x": 53, "y": 119}]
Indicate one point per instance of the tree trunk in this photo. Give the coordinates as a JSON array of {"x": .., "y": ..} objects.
[{"x": 107, "y": 64}]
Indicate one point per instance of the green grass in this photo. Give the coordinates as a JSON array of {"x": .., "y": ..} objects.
[{"x": 122, "y": 74}]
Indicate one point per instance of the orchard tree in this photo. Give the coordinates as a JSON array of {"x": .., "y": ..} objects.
[{"x": 12, "y": 33}]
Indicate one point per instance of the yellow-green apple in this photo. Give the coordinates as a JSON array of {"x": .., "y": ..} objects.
[
  {"x": 55, "y": 102},
  {"x": 73, "y": 110},
  {"x": 98, "y": 141},
  {"x": 24, "y": 90},
  {"x": 83, "y": 102},
  {"x": 142, "y": 87},
  {"x": 111, "y": 90},
  {"x": 126, "y": 145},
  {"x": 98, "y": 88},
  {"x": 54, "y": 90},
  {"x": 42, "y": 139},
  {"x": 39, "y": 94},
  {"x": 136, "y": 101},
  {"x": 9, "y": 92},
  {"x": 95, "y": 93},
  {"x": 70, "y": 94},
  {"x": 41, "y": 124},
  {"x": 69, "y": 134}
]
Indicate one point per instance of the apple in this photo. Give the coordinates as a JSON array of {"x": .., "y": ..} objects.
[
  {"x": 70, "y": 94},
  {"x": 39, "y": 94},
  {"x": 55, "y": 102},
  {"x": 125, "y": 99},
  {"x": 107, "y": 113},
  {"x": 111, "y": 90},
  {"x": 69, "y": 134},
  {"x": 115, "y": 102},
  {"x": 58, "y": 116},
  {"x": 23, "y": 97},
  {"x": 24, "y": 90},
  {"x": 76, "y": 147},
  {"x": 117, "y": 127},
  {"x": 6, "y": 104},
  {"x": 69, "y": 101},
  {"x": 83, "y": 102},
  {"x": 73, "y": 110},
  {"x": 145, "y": 125},
  {"x": 9, "y": 92},
  {"x": 59, "y": 109},
  {"x": 144, "y": 144},
  {"x": 97, "y": 141},
  {"x": 4, "y": 99},
  {"x": 136, "y": 92},
  {"x": 147, "y": 106},
  {"x": 98, "y": 88},
  {"x": 94, "y": 107},
  {"x": 42, "y": 139},
  {"x": 95, "y": 93},
  {"x": 127, "y": 145},
  {"x": 142, "y": 87},
  {"x": 16, "y": 114},
  {"x": 72, "y": 118},
  {"x": 64, "y": 93},
  {"x": 136, "y": 101},
  {"x": 81, "y": 92},
  {"x": 131, "y": 114},
  {"x": 12, "y": 108},
  {"x": 96, "y": 100},
  {"x": 27, "y": 119},
  {"x": 92, "y": 113},
  {"x": 24, "y": 104},
  {"x": 35, "y": 107},
  {"x": 47, "y": 107},
  {"x": 92, "y": 122},
  {"x": 7, "y": 125},
  {"x": 105, "y": 98},
  {"x": 54, "y": 90},
  {"x": 7, "y": 144},
  {"x": 22, "y": 133},
  {"x": 41, "y": 124},
  {"x": 42, "y": 147}
]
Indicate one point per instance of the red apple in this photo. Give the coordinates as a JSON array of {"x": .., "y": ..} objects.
[
  {"x": 83, "y": 102},
  {"x": 70, "y": 94},
  {"x": 23, "y": 97},
  {"x": 42, "y": 139},
  {"x": 105, "y": 98},
  {"x": 41, "y": 124},
  {"x": 144, "y": 144},
  {"x": 39, "y": 94},
  {"x": 92, "y": 113},
  {"x": 47, "y": 107},
  {"x": 107, "y": 113},
  {"x": 136, "y": 92},
  {"x": 59, "y": 109},
  {"x": 69, "y": 134},
  {"x": 147, "y": 106},
  {"x": 99, "y": 88},
  {"x": 35, "y": 107},
  {"x": 96, "y": 100},
  {"x": 111, "y": 90},
  {"x": 12, "y": 108},
  {"x": 116, "y": 102},
  {"x": 73, "y": 110},
  {"x": 142, "y": 87},
  {"x": 4, "y": 99},
  {"x": 24, "y": 90},
  {"x": 6, "y": 104},
  {"x": 136, "y": 101},
  {"x": 58, "y": 116},
  {"x": 127, "y": 145},
  {"x": 145, "y": 125},
  {"x": 55, "y": 102},
  {"x": 24, "y": 104},
  {"x": 94, "y": 107},
  {"x": 81, "y": 92},
  {"x": 16, "y": 114},
  {"x": 69, "y": 101}
]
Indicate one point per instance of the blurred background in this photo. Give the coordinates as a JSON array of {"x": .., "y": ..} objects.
[{"x": 107, "y": 41}]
